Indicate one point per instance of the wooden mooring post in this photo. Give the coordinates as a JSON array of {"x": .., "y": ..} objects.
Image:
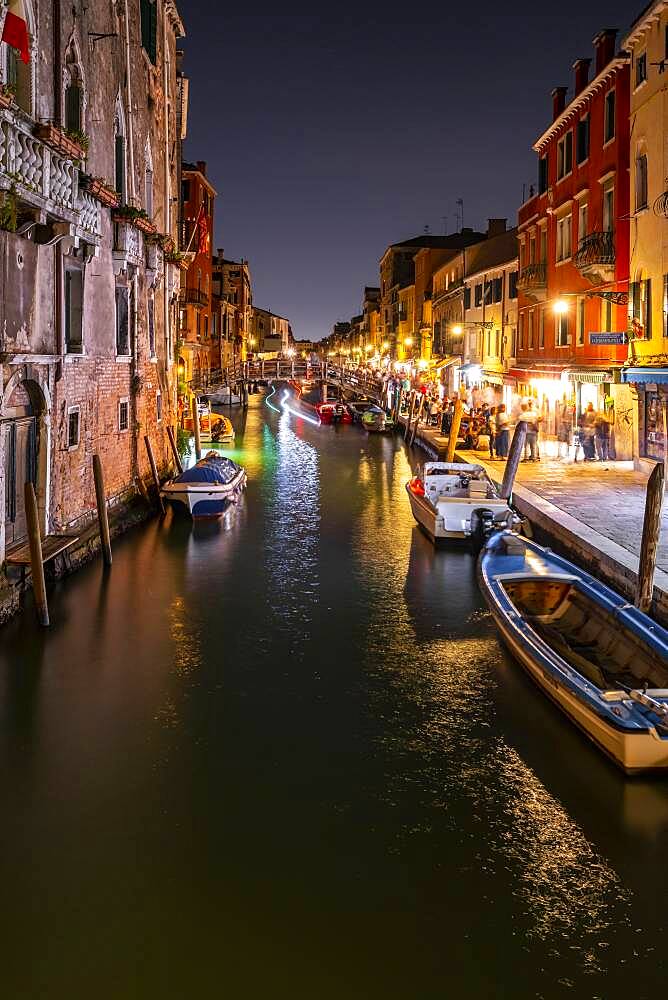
[
  {"x": 172, "y": 443},
  {"x": 513, "y": 461},
  {"x": 410, "y": 416},
  {"x": 417, "y": 418},
  {"x": 36, "y": 561},
  {"x": 198, "y": 440},
  {"x": 102, "y": 512},
  {"x": 154, "y": 471},
  {"x": 651, "y": 533},
  {"x": 454, "y": 430}
]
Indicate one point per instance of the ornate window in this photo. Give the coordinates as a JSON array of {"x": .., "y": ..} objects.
[
  {"x": 120, "y": 177},
  {"x": 17, "y": 73},
  {"x": 73, "y": 91},
  {"x": 148, "y": 182}
]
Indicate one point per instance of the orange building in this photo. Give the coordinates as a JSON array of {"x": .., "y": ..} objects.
[{"x": 199, "y": 347}]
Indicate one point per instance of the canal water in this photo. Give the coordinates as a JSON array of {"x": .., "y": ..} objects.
[{"x": 286, "y": 756}]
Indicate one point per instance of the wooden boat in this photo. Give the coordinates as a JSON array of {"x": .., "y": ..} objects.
[
  {"x": 603, "y": 662},
  {"x": 455, "y": 500},
  {"x": 207, "y": 488},
  {"x": 375, "y": 420},
  {"x": 222, "y": 431}
]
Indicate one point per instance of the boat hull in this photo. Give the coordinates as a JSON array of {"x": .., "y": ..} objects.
[
  {"x": 206, "y": 500},
  {"x": 458, "y": 522},
  {"x": 633, "y": 748}
]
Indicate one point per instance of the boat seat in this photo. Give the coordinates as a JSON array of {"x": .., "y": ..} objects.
[{"x": 592, "y": 671}]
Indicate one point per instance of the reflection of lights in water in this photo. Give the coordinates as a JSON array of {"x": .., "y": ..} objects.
[
  {"x": 269, "y": 398},
  {"x": 293, "y": 520},
  {"x": 565, "y": 889}
]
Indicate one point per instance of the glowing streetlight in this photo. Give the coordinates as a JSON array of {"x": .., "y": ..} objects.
[
  {"x": 408, "y": 342},
  {"x": 458, "y": 330},
  {"x": 290, "y": 352},
  {"x": 560, "y": 307},
  {"x": 369, "y": 348},
  {"x": 422, "y": 364},
  {"x": 386, "y": 344}
]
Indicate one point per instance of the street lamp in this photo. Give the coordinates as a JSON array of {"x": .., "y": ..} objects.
[
  {"x": 457, "y": 330},
  {"x": 560, "y": 307},
  {"x": 408, "y": 342},
  {"x": 290, "y": 352}
]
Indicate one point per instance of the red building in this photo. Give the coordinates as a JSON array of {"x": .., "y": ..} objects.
[
  {"x": 199, "y": 348},
  {"x": 574, "y": 244}
]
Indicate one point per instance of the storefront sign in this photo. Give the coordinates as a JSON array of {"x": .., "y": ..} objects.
[{"x": 608, "y": 338}]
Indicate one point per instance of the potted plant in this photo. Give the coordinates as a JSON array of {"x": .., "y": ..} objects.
[
  {"x": 101, "y": 189},
  {"x": 71, "y": 144},
  {"x": 7, "y": 94},
  {"x": 136, "y": 217},
  {"x": 178, "y": 258}
]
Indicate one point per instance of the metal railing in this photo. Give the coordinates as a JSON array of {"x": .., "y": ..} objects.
[
  {"x": 193, "y": 297},
  {"x": 533, "y": 275},
  {"x": 596, "y": 248}
]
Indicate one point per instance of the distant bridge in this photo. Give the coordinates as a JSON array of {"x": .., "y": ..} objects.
[{"x": 235, "y": 376}]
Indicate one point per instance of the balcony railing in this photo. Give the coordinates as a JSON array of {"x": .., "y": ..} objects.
[
  {"x": 36, "y": 169},
  {"x": 532, "y": 276},
  {"x": 596, "y": 248},
  {"x": 193, "y": 297}
]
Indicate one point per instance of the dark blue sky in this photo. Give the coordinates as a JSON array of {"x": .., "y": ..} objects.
[{"x": 329, "y": 138}]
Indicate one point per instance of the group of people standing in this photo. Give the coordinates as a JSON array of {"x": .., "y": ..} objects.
[{"x": 486, "y": 426}]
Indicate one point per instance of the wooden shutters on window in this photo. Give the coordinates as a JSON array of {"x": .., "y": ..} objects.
[
  {"x": 73, "y": 310},
  {"x": 122, "y": 321},
  {"x": 149, "y": 28},
  {"x": 73, "y": 103}
]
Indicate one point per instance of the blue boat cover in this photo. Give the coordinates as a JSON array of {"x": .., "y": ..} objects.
[{"x": 219, "y": 471}]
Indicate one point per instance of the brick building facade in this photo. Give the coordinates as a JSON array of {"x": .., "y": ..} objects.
[{"x": 88, "y": 179}]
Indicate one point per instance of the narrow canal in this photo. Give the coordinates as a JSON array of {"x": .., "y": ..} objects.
[{"x": 286, "y": 756}]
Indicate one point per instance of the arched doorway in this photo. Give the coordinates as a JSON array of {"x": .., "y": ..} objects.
[{"x": 23, "y": 449}]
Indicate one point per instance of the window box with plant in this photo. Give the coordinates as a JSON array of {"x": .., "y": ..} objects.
[
  {"x": 72, "y": 144},
  {"x": 136, "y": 217},
  {"x": 100, "y": 189}
]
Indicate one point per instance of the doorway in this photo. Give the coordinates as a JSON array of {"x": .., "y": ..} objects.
[{"x": 21, "y": 451}]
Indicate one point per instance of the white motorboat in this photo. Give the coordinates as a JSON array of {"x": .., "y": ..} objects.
[
  {"x": 208, "y": 488},
  {"x": 452, "y": 500},
  {"x": 225, "y": 397}
]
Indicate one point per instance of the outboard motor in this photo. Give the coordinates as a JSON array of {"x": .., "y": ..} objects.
[{"x": 482, "y": 526}]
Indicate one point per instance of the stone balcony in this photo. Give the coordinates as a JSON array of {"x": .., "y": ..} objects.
[
  {"x": 532, "y": 281},
  {"x": 46, "y": 184},
  {"x": 128, "y": 248},
  {"x": 595, "y": 259}
]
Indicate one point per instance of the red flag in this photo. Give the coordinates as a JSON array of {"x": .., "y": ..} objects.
[
  {"x": 15, "y": 30},
  {"x": 202, "y": 234}
]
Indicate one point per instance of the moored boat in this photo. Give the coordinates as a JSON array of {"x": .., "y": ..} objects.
[
  {"x": 603, "y": 662},
  {"x": 207, "y": 488},
  {"x": 453, "y": 500},
  {"x": 375, "y": 420},
  {"x": 222, "y": 431}
]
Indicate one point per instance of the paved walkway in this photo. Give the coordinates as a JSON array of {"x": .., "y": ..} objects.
[{"x": 606, "y": 496}]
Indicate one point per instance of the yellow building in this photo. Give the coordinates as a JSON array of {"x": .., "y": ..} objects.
[
  {"x": 647, "y": 371},
  {"x": 407, "y": 344}
]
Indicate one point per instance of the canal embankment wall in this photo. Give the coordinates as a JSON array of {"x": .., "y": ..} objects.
[
  {"x": 132, "y": 508},
  {"x": 567, "y": 535}
]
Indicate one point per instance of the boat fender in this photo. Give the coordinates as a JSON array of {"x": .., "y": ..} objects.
[{"x": 417, "y": 486}]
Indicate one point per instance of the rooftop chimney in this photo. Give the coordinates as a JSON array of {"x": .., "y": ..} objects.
[
  {"x": 201, "y": 166},
  {"x": 558, "y": 101},
  {"x": 581, "y": 67},
  {"x": 604, "y": 46},
  {"x": 496, "y": 226}
]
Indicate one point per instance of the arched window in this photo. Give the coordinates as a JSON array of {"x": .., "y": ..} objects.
[
  {"x": 120, "y": 178},
  {"x": 73, "y": 91},
  {"x": 17, "y": 73},
  {"x": 148, "y": 182}
]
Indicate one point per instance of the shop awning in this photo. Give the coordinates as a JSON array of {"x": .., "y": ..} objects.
[
  {"x": 446, "y": 362},
  {"x": 492, "y": 377},
  {"x": 524, "y": 374},
  {"x": 641, "y": 376},
  {"x": 592, "y": 375}
]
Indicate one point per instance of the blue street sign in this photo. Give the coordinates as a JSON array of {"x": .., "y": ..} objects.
[{"x": 608, "y": 338}]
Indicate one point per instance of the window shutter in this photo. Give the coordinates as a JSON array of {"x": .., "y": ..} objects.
[
  {"x": 73, "y": 108},
  {"x": 648, "y": 308},
  {"x": 120, "y": 165},
  {"x": 149, "y": 27},
  {"x": 122, "y": 338},
  {"x": 73, "y": 310}
]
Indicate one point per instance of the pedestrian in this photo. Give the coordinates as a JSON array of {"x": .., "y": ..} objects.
[
  {"x": 532, "y": 418},
  {"x": 502, "y": 432},
  {"x": 602, "y": 436},
  {"x": 491, "y": 430},
  {"x": 589, "y": 432},
  {"x": 433, "y": 411},
  {"x": 565, "y": 428},
  {"x": 446, "y": 418}
]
